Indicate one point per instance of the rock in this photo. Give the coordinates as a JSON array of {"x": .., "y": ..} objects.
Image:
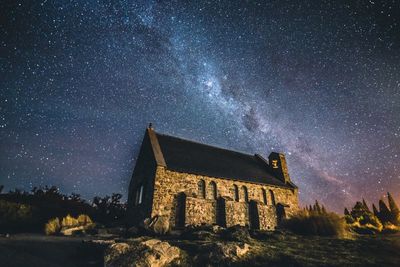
[
  {"x": 217, "y": 229},
  {"x": 150, "y": 253},
  {"x": 231, "y": 251},
  {"x": 237, "y": 233},
  {"x": 159, "y": 253},
  {"x": 158, "y": 224},
  {"x": 113, "y": 255},
  {"x": 242, "y": 249}
]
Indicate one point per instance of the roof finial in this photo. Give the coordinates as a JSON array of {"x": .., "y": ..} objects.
[{"x": 150, "y": 126}]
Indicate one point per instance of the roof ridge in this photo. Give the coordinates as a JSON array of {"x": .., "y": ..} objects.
[{"x": 203, "y": 144}]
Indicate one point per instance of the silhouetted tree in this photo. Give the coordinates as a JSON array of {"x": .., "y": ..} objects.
[
  {"x": 76, "y": 197},
  {"x": 384, "y": 212},
  {"x": 1, "y": 188},
  {"x": 375, "y": 210},
  {"x": 346, "y": 211},
  {"x": 323, "y": 210},
  {"x": 365, "y": 205},
  {"x": 394, "y": 210},
  {"x": 317, "y": 207}
]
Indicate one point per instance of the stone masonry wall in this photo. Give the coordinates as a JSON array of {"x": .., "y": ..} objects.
[
  {"x": 267, "y": 216},
  {"x": 200, "y": 211},
  {"x": 237, "y": 213},
  {"x": 168, "y": 184}
]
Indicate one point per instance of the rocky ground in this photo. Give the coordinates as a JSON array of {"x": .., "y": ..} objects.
[{"x": 199, "y": 247}]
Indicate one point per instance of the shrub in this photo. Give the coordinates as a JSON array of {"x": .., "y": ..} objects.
[
  {"x": 69, "y": 221},
  {"x": 314, "y": 223},
  {"x": 84, "y": 219},
  {"x": 52, "y": 226}
]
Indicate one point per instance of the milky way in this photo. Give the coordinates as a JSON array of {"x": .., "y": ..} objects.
[{"x": 320, "y": 82}]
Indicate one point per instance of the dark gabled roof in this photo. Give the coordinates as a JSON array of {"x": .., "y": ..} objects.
[{"x": 196, "y": 158}]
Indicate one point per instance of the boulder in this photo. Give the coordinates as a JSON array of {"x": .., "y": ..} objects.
[
  {"x": 114, "y": 255},
  {"x": 149, "y": 253},
  {"x": 158, "y": 224},
  {"x": 217, "y": 229},
  {"x": 159, "y": 253}
]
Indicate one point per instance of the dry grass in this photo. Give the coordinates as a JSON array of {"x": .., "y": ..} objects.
[{"x": 319, "y": 224}]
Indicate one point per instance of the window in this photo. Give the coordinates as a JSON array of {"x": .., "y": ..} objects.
[
  {"x": 245, "y": 194},
  {"x": 236, "y": 192},
  {"x": 264, "y": 195},
  {"x": 213, "y": 188},
  {"x": 272, "y": 197},
  {"x": 201, "y": 188},
  {"x": 139, "y": 195}
]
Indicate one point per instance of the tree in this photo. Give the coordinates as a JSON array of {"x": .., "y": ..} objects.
[
  {"x": 375, "y": 210},
  {"x": 317, "y": 207},
  {"x": 365, "y": 205},
  {"x": 1, "y": 188},
  {"x": 346, "y": 211},
  {"x": 323, "y": 210},
  {"x": 394, "y": 210},
  {"x": 384, "y": 212}
]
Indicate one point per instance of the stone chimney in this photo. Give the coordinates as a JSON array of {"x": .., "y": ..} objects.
[{"x": 277, "y": 163}]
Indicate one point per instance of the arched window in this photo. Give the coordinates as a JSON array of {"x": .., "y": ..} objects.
[
  {"x": 245, "y": 194},
  {"x": 139, "y": 195},
  {"x": 202, "y": 188},
  {"x": 236, "y": 192},
  {"x": 272, "y": 197},
  {"x": 264, "y": 196},
  {"x": 213, "y": 190}
]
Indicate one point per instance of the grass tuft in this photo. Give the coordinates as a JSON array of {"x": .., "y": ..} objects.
[{"x": 314, "y": 223}]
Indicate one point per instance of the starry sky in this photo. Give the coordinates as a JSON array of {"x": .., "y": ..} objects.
[{"x": 316, "y": 80}]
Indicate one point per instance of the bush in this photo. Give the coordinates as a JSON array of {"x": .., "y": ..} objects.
[
  {"x": 52, "y": 227},
  {"x": 84, "y": 219},
  {"x": 69, "y": 222},
  {"x": 314, "y": 223}
]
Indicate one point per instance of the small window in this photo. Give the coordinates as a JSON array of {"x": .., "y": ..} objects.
[
  {"x": 236, "y": 192},
  {"x": 272, "y": 197},
  {"x": 201, "y": 188},
  {"x": 264, "y": 196},
  {"x": 245, "y": 194},
  {"x": 139, "y": 195},
  {"x": 213, "y": 188}
]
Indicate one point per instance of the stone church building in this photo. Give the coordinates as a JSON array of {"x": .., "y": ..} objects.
[{"x": 193, "y": 183}]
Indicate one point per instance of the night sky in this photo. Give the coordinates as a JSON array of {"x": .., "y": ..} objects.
[{"x": 316, "y": 80}]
